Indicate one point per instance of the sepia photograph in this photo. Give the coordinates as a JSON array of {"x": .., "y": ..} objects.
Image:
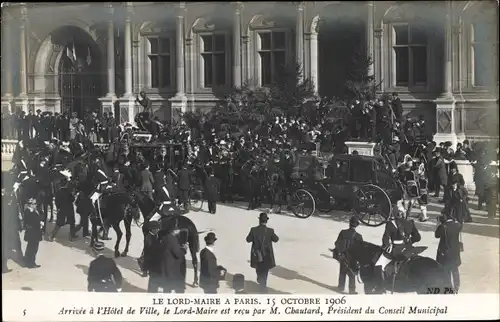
[{"x": 278, "y": 148}]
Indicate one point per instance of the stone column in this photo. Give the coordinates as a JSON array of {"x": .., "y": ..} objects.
[
  {"x": 128, "y": 57},
  {"x": 127, "y": 102},
  {"x": 300, "y": 35},
  {"x": 448, "y": 52},
  {"x": 237, "y": 46},
  {"x": 109, "y": 100},
  {"x": 445, "y": 104},
  {"x": 179, "y": 44},
  {"x": 369, "y": 36},
  {"x": 179, "y": 102},
  {"x": 244, "y": 56},
  {"x": 313, "y": 43},
  {"x": 111, "y": 59},
  {"x": 6, "y": 63},
  {"x": 22, "y": 99},
  {"x": 378, "y": 56}
]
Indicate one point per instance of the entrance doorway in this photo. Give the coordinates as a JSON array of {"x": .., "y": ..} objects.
[
  {"x": 80, "y": 75},
  {"x": 340, "y": 41}
]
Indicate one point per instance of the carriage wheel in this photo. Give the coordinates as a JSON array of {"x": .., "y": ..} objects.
[
  {"x": 303, "y": 204},
  {"x": 195, "y": 200},
  {"x": 372, "y": 205}
]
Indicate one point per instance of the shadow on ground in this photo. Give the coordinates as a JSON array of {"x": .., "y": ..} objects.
[
  {"x": 83, "y": 245},
  {"x": 288, "y": 274}
]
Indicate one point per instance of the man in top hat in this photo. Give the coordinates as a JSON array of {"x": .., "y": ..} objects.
[
  {"x": 262, "y": 253},
  {"x": 34, "y": 224},
  {"x": 151, "y": 261},
  {"x": 440, "y": 173},
  {"x": 184, "y": 185},
  {"x": 212, "y": 188},
  {"x": 348, "y": 266},
  {"x": 104, "y": 275},
  {"x": 210, "y": 273}
]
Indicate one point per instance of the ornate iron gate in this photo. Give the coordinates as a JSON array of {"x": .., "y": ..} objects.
[{"x": 80, "y": 89}]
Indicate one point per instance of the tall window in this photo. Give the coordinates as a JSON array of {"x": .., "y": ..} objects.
[
  {"x": 161, "y": 62},
  {"x": 483, "y": 52},
  {"x": 272, "y": 54},
  {"x": 410, "y": 52},
  {"x": 214, "y": 60}
]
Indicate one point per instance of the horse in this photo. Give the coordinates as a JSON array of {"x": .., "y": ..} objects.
[
  {"x": 184, "y": 229},
  {"x": 414, "y": 274},
  {"x": 114, "y": 204}
]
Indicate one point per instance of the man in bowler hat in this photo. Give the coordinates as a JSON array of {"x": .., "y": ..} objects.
[
  {"x": 262, "y": 254},
  {"x": 347, "y": 264},
  {"x": 210, "y": 273}
]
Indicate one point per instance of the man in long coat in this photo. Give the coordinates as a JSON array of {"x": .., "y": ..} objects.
[
  {"x": 440, "y": 174},
  {"x": 172, "y": 258},
  {"x": 152, "y": 259},
  {"x": 212, "y": 188},
  {"x": 262, "y": 253},
  {"x": 448, "y": 252},
  {"x": 184, "y": 185}
]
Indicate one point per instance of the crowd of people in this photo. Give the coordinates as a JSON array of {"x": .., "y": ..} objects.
[
  {"x": 213, "y": 153},
  {"x": 63, "y": 126}
]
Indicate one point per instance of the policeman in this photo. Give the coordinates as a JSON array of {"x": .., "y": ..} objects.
[
  {"x": 399, "y": 236},
  {"x": 348, "y": 265},
  {"x": 104, "y": 275}
]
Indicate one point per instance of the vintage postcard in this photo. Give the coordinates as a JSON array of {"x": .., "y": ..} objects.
[{"x": 252, "y": 160}]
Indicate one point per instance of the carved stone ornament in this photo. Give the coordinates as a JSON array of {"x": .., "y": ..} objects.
[
  {"x": 155, "y": 28},
  {"x": 402, "y": 12},
  {"x": 444, "y": 121},
  {"x": 260, "y": 22},
  {"x": 315, "y": 25},
  {"x": 202, "y": 25}
]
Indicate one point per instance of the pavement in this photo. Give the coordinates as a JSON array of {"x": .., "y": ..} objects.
[{"x": 304, "y": 264}]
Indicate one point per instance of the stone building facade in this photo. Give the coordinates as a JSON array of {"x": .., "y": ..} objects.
[{"x": 441, "y": 57}]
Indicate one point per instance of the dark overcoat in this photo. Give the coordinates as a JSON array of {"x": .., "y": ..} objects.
[
  {"x": 262, "y": 238},
  {"x": 448, "y": 252},
  {"x": 212, "y": 188},
  {"x": 209, "y": 271},
  {"x": 33, "y": 223},
  {"x": 173, "y": 256}
]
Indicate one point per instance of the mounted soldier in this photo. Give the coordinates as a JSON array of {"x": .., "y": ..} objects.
[{"x": 399, "y": 236}]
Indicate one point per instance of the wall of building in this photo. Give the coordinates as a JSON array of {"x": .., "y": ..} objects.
[{"x": 307, "y": 28}]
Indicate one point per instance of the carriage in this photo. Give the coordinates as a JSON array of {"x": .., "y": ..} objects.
[{"x": 359, "y": 183}]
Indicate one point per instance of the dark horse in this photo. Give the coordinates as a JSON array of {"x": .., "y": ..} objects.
[
  {"x": 114, "y": 205},
  {"x": 184, "y": 229},
  {"x": 415, "y": 274}
]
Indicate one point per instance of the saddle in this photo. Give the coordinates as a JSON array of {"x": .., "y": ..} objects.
[{"x": 396, "y": 261}]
